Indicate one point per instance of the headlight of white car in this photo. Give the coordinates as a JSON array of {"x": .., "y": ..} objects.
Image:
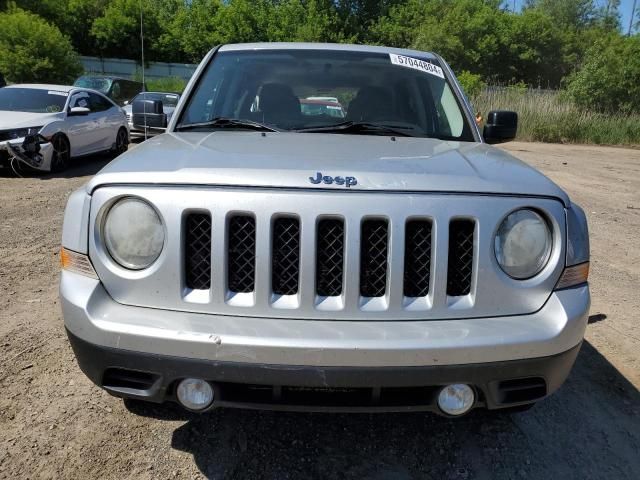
[
  {"x": 23, "y": 132},
  {"x": 133, "y": 233},
  {"x": 523, "y": 244}
]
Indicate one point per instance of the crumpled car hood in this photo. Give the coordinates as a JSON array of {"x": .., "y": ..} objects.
[
  {"x": 288, "y": 159},
  {"x": 10, "y": 120}
]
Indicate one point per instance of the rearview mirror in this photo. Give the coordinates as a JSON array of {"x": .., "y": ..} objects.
[
  {"x": 77, "y": 111},
  {"x": 501, "y": 126}
]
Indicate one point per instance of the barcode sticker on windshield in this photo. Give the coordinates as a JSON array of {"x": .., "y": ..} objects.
[
  {"x": 416, "y": 64},
  {"x": 55, "y": 92}
]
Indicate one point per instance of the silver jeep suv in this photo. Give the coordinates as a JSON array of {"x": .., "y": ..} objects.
[{"x": 262, "y": 255}]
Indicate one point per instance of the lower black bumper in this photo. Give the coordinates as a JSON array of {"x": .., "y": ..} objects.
[{"x": 285, "y": 387}]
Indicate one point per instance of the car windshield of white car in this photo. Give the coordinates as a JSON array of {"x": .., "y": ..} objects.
[
  {"x": 32, "y": 100},
  {"x": 315, "y": 90}
]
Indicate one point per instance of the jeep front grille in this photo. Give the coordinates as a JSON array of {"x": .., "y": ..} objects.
[
  {"x": 285, "y": 256},
  {"x": 298, "y": 254}
]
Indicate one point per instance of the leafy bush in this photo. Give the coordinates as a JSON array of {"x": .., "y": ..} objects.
[
  {"x": 31, "y": 50},
  {"x": 609, "y": 80},
  {"x": 471, "y": 83}
]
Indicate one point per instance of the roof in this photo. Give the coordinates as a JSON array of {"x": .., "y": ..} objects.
[
  {"x": 161, "y": 93},
  {"x": 236, "y": 47},
  {"x": 43, "y": 86},
  {"x": 103, "y": 75}
]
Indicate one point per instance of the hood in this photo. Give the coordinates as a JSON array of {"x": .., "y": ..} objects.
[
  {"x": 10, "y": 120},
  {"x": 288, "y": 159}
]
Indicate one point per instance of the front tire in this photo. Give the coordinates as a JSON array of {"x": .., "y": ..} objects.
[
  {"x": 61, "y": 154},
  {"x": 122, "y": 142}
]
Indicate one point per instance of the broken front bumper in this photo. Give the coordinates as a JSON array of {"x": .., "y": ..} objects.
[{"x": 17, "y": 153}]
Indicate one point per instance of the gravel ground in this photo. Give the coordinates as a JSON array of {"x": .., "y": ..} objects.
[{"x": 55, "y": 424}]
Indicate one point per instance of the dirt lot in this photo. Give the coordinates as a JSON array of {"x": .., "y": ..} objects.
[{"x": 55, "y": 424}]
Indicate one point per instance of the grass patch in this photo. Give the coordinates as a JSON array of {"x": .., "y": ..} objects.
[
  {"x": 546, "y": 116},
  {"x": 167, "y": 84}
]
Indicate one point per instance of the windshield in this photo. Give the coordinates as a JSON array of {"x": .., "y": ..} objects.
[
  {"x": 304, "y": 89},
  {"x": 32, "y": 100},
  {"x": 96, "y": 83},
  {"x": 167, "y": 99}
]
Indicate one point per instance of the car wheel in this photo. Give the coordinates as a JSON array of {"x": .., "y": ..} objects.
[
  {"x": 61, "y": 153},
  {"x": 122, "y": 141}
]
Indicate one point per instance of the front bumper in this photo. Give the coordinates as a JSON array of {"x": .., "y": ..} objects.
[
  {"x": 154, "y": 378},
  {"x": 163, "y": 346},
  {"x": 12, "y": 150}
]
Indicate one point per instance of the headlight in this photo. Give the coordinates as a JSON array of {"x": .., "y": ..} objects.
[
  {"x": 523, "y": 244},
  {"x": 23, "y": 132},
  {"x": 133, "y": 233}
]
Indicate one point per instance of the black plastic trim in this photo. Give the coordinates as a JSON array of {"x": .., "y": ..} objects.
[{"x": 94, "y": 360}]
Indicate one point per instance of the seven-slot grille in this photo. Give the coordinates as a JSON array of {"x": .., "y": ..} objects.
[{"x": 329, "y": 258}]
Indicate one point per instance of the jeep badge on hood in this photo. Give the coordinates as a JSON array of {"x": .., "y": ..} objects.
[{"x": 328, "y": 180}]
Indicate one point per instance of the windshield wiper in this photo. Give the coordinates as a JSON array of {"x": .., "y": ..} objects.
[
  {"x": 360, "y": 127},
  {"x": 224, "y": 122}
]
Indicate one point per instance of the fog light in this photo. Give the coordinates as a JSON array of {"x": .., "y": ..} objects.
[
  {"x": 194, "y": 394},
  {"x": 456, "y": 399}
]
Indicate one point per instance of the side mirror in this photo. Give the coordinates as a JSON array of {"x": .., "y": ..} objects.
[
  {"x": 148, "y": 115},
  {"x": 501, "y": 126},
  {"x": 78, "y": 111}
]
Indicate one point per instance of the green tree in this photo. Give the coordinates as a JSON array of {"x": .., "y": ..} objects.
[
  {"x": 190, "y": 29},
  {"x": 243, "y": 21},
  {"x": 32, "y": 50},
  {"x": 117, "y": 31},
  {"x": 304, "y": 21},
  {"x": 73, "y": 17},
  {"x": 575, "y": 14},
  {"x": 609, "y": 79}
]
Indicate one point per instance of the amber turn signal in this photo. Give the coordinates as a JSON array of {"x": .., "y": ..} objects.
[
  {"x": 77, "y": 263},
  {"x": 574, "y": 275}
]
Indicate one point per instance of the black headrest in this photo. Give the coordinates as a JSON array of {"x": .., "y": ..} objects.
[{"x": 279, "y": 99}]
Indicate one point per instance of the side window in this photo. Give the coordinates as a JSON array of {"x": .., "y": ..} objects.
[
  {"x": 451, "y": 112},
  {"x": 116, "y": 90},
  {"x": 79, "y": 99},
  {"x": 99, "y": 103}
]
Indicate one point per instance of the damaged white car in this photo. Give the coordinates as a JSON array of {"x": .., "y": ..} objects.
[{"x": 43, "y": 127}]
